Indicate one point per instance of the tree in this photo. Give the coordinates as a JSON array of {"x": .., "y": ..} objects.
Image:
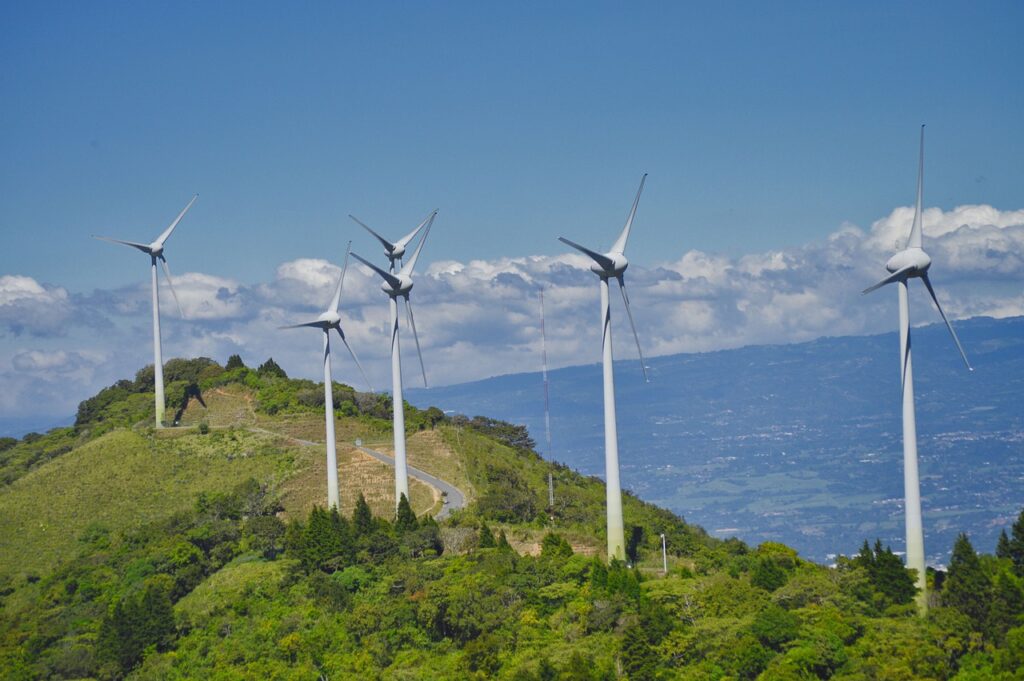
[
  {"x": 1016, "y": 547},
  {"x": 1006, "y": 608},
  {"x": 639, "y": 659},
  {"x": 135, "y": 622},
  {"x": 554, "y": 547},
  {"x": 486, "y": 540},
  {"x": 271, "y": 369},
  {"x": 405, "y": 519},
  {"x": 775, "y": 626},
  {"x": 768, "y": 575},
  {"x": 1003, "y": 549},
  {"x": 967, "y": 588},
  {"x": 234, "y": 362},
  {"x": 362, "y": 517},
  {"x": 326, "y": 541}
]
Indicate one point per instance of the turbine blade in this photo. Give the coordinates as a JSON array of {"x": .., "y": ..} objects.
[
  {"x": 415, "y": 337},
  {"x": 317, "y": 324},
  {"x": 341, "y": 282},
  {"x": 404, "y": 241},
  {"x": 602, "y": 260},
  {"x": 354, "y": 358},
  {"x": 167, "y": 232},
  {"x": 392, "y": 280},
  {"x": 142, "y": 247},
  {"x": 620, "y": 243},
  {"x": 388, "y": 246},
  {"x": 895, "y": 276},
  {"x": 170, "y": 284},
  {"x": 629, "y": 313},
  {"x": 931, "y": 291},
  {"x": 915, "y": 231},
  {"x": 408, "y": 267}
]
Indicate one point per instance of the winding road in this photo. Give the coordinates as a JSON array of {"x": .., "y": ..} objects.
[
  {"x": 453, "y": 495},
  {"x": 453, "y": 498}
]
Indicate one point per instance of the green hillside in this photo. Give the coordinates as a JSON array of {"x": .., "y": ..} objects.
[{"x": 202, "y": 551}]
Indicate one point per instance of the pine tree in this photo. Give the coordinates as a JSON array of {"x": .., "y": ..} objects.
[
  {"x": 234, "y": 362},
  {"x": 1003, "y": 546},
  {"x": 326, "y": 540},
  {"x": 967, "y": 587},
  {"x": 891, "y": 577},
  {"x": 1006, "y": 608},
  {"x": 486, "y": 540},
  {"x": 1016, "y": 547},
  {"x": 271, "y": 368},
  {"x": 405, "y": 519},
  {"x": 503, "y": 542},
  {"x": 638, "y": 657},
  {"x": 362, "y": 517}
]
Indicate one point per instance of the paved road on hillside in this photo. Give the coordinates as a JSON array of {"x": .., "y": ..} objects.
[{"x": 455, "y": 497}]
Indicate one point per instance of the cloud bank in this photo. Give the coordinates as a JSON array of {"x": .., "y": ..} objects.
[{"x": 481, "y": 318}]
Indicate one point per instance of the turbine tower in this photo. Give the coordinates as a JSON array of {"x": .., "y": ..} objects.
[
  {"x": 330, "y": 319},
  {"x": 913, "y": 262},
  {"x": 155, "y": 251},
  {"x": 398, "y": 285},
  {"x": 608, "y": 265}
]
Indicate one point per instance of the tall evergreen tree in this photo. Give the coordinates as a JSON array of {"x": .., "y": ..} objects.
[
  {"x": 890, "y": 577},
  {"x": 405, "y": 519},
  {"x": 967, "y": 588},
  {"x": 1006, "y": 608},
  {"x": 1003, "y": 546},
  {"x": 362, "y": 517},
  {"x": 639, "y": 659},
  {"x": 1016, "y": 547},
  {"x": 234, "y": 362},
  {"x": 272, "y": 369}
]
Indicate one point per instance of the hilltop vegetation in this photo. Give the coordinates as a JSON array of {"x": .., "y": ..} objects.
[{"x": 198, "y": 552}]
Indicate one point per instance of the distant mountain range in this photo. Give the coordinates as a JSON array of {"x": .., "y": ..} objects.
[{"x": 797, "y": 443}]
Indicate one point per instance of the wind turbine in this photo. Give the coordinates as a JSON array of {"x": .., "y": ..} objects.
[
  {"x": 155, "y": 251},
  {"x": 396, "y": 285},
  {"x": 395, "y": 251},
  {"x": 913, "y": 262},
  {"x": 608, "y": 265},
  {"x": 330, "y": 319}
]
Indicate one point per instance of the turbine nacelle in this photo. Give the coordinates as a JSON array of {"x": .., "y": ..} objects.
[
  {"x": 914, "y": 262},
  {"x": 330, "y": 319},
  {"x": 618, "y": 262},
  {"x": 404, "y": 285}
]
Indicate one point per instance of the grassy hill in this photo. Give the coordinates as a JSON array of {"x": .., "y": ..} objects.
[{"x": 203, "y": 551}]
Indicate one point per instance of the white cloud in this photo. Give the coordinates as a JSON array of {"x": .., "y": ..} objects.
[
  {"x": 26, "y": 306},
  {"x": 481, "y": 318}
]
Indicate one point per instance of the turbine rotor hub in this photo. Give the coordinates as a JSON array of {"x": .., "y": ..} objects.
[
  {"x": 914, "y": 258},
  {"x": 619, "y": 265}
]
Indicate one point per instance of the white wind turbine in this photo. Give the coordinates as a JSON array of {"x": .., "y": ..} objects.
[
  {"x": 909, "y": 263},
  {"x": 395, "y": 251},
  {"x": 396, "y": 285},
  {"x": 608, "y": 265},
  {"x": 330, "y": 319},
  {"x": 155, "y": 251}
]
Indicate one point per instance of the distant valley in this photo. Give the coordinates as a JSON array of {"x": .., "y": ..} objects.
[{"x": 797, "y": 443}]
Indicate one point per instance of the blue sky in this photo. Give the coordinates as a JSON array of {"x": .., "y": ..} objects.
[
  {"x": 765, "y": 127},
  {"x": 762, "y": 125}
]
